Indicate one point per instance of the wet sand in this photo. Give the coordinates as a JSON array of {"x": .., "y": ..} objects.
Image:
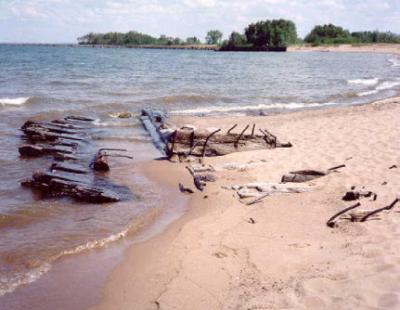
[{"x": 216, "y": 257}]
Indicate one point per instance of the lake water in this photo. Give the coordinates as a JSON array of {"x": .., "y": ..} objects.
[{"x": 44, "y": 82}]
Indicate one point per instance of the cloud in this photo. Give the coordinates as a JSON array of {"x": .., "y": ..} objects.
[{"x": 64, "y": 20}]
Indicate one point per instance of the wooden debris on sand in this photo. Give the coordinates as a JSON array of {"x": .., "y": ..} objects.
[
  {"x": 359, "y": 215},
  {"x": 189, "y": 141},
  {"x": 307, "y": 175},
  {"x": 256, "y": 192},
  {"x": 201, "y": 175}
]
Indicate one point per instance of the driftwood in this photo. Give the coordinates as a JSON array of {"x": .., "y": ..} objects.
[
  {"x": 359, "y": 215},
  {"x": 306, "y": 175},
  {"x": 80, "y": 118},
  {"x": 259, "y": 191},
  {"x": 389, "y": 207},
  {"x": 184, "y": 189},
  {"x": 331, "y": 223},
  {"x": 201, "y": 176},
  {"x": 355, "y": 195},
  {"x": 154, "y": 123}
]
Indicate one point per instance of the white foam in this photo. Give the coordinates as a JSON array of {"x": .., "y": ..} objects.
[
  {"x": 96, "y": 243},
  {"x": 14, "y": 101},
  {"x": 395, "y": 62},
  {"x": 388, "y": 85},
  {"x": 369, "y": 82},
  {"x": 8, "y": 285},
  {"x": 367, "y": 93},
  {"x": 281, "y": 106}
]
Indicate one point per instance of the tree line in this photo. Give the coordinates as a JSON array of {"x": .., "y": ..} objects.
[
  {"x": 138, "y": 38},
  {"x": 262, "y": 35},
  {"x": 331, "y": 34}
]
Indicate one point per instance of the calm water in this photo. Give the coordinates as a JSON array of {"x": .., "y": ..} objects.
[{"x": 51, "y": 82}]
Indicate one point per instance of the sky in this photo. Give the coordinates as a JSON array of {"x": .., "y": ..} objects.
[{"x": 62, "y": 21}]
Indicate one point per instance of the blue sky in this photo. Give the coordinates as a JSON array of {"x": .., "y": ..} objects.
[{"x": 62, "y": 21}]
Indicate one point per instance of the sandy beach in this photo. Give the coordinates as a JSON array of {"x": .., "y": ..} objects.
[
  {"x": 279, "y": 253},
  {"x": 347, "y": 48}
]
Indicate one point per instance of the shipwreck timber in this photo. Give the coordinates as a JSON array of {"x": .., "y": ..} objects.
[
  {"x": 67, "y": 143},
  {"x": 189, "y": 141}
]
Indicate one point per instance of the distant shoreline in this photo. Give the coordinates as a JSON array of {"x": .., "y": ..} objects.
[{"x": 387, "y": 48}]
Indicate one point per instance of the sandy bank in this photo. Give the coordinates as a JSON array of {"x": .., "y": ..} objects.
[
  {"x": 367, "y": 48},
  {"x": 215, "y": 257}
]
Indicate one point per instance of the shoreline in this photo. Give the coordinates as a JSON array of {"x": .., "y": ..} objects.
[
  {"x": 385, "y": 48},
  {"x": 182, "y": 268}
]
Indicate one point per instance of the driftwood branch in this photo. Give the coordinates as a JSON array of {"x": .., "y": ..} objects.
[
  {"x": 208, "y": 138},
  {"x": 389, "y": 207},
  {"x": 233, "y": 127},
  {"x": 330, "y": 222}
]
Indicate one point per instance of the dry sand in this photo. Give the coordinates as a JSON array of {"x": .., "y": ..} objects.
[
  {"x": 362, "y": 48},
  {"x": 214, "y": 258}
]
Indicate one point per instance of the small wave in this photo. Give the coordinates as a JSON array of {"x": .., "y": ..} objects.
[
  {"x": 96, "y": 243},
  {"x": 388, "y": 85},
  {"x": 188, "y": 99},
  {"x": 14, "y": 101},
  {"x": 280, "y": 106},
  {"x": 368, "y": 93},
  {"x": 395, "y": 62},
  {"x": 8, "y": 285},
  {"x": 369, "y": 82}
]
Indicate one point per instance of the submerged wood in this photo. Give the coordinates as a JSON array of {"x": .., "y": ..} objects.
[
  {"x": 62, "y": 139},
  {"x": 39, "y": 150},
  {"x": 100, "y": 161},
  {"x": 55, "y": 186}
]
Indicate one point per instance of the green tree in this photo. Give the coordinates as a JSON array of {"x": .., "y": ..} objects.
[
  {"x": 271, "y": 33},
  {"x": 192, "y": 41},
  {"x": 214, "y": 37},
  {"x": 328, "y": 34}
]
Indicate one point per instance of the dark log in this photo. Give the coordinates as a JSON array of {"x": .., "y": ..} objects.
[
  {"x": 38, "y": 150},
  {"x": 355, "y": 195},
  {"x": 100, "y": 162},
  {"x": 39, "y": 134},
  {"x": 233, "y": 127},
  {"x": 253, "y": 129},
  {"x": 389, "y": 207},
  {"x": 240, "y": 135},
  {"x": 151, "y": 123},
  {"x": 79, "y": 118},
  {"x": 336, "y": 167},
  {"x": 69, "y": 168},
  {"x": 330, "y": 223},
  {"x": 257, "y": 200},
  {"x": 184, "y": 189},
  {"x": 393, "y": 167},
  {"x": 208, "y": 138},
  {"x": 302, "y": 176},
  {"x": 198, "y": 183},
  {"x": 64, "y": 157}
]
